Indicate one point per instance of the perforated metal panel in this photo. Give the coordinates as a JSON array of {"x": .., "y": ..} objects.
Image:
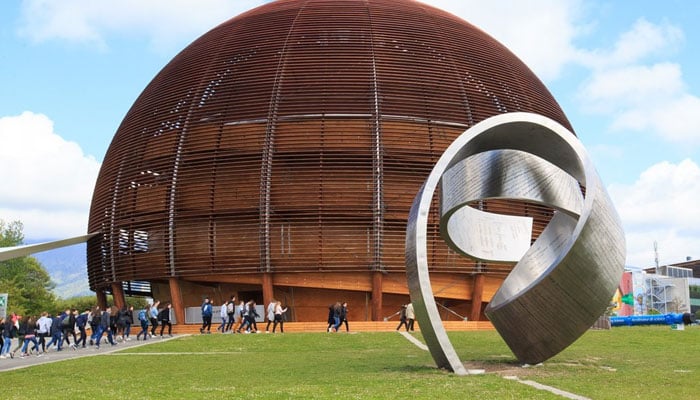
[{"x": 294, "y": 137}]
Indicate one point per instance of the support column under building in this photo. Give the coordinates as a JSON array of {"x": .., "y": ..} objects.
[
  {"x": 176, "y": 300},
  {"x": 267, "y": 289},
  {"x": 477, "y": 296},
  {"x": 118, "y": 295},
  {"x": 101, "y": 299},
  {"x": 377, "y": 282}
]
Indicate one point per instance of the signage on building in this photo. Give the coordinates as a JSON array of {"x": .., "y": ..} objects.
[{"x": 3, "y": 305}]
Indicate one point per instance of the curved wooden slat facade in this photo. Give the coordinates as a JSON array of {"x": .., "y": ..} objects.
[{"x": 280, "y": 152}]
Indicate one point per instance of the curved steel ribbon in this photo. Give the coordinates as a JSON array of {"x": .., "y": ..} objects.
[{"x": 561, "y": 283}]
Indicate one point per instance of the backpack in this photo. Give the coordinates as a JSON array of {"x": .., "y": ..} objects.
[
  {"x": 65, "y": 322},
  {"x": 230, "y": 307},
  {"x": 142, "y": 315}
]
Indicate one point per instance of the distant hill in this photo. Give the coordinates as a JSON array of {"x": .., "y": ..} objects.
[{"x": 67, "y": 267}]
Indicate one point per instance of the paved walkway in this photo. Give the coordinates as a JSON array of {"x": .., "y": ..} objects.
[{"x": 9, "y": 364}]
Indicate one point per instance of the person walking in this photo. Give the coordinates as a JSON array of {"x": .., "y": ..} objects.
[
  {"x": 223, "y": 314},
  {"x": 121, "y": 322},
  {"x": 402, "y": 318},
  {"x": 94, "y": 322},
  {"x": 344, "y": 316},
  {"x": 128, "y": 321},
  {"x": 81, "y": 322},
  {"x": 143, "y": 320},
  {"x": 153, "y": 317},
  {"x": 270, "y": 314},
  {"x": 56, "y": 333},
  {"x": 231, "y": 311},
  {"x": 242, "y": 311},
  {"x": 8, "y": 332},
  {"x": 331, "y": 320},
  {"x": 206, "y": 316},
  {"x": 279, "y": 318},
  {"x": 251, "y": 316},
  {"x": 43, "y": 329},
  {"x": 336, "y": 316},
  {"x": 410, "y": 316},
  {"x": 21, "y": 331},
  {"x": 164, "y": 317},
  {"x": 28, "y": 327},
  {"x": 68, "y": 327},
  {"x": 105, "y": 326}
]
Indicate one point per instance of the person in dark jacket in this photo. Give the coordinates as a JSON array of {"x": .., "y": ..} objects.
[
  {"x": 81, "y": 322},
  {"x": 402, "y": 318},
  {"x": 129, "y": 320},
  {"x": 206, "y": 316},
  {"x": 331, "y": 320},
  {"x": 56, "y": 333},
  {"x": 105, "y": 327},
  {"x": 8, "y": 332},
  {"x": 344, "y": 316},
  {"x": 164, "y": 318},
  {"x": 68, "y": 326},
  {"x": 113, "y": 316},
  {"x": 231, "y": 313},
  {"x": 124, "y": 317},
  {"x": 143, "y": 320},
  {"x": 27, "y": 329},
  {"x": 251, "y": 316}
]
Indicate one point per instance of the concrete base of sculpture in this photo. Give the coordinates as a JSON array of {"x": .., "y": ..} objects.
[{"x": 560, "y": 284}]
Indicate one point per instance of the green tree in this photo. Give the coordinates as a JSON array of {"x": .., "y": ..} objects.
[{"x": 24, "y": 279}]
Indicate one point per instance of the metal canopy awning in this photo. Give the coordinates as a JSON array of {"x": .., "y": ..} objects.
[{"x": 7, "y": 253}]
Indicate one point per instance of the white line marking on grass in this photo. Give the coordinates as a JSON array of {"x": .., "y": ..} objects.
[
  {"x": 550, "y": 389},
  {"x": 533, "y": 384},
  {"x": 105, "y": 350},
  {"x": 414, "y": 340}
]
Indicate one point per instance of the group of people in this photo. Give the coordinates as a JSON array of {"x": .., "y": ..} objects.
[
  {"x": 242, "y": 318},
  {"x": 154, "y": 316},
  {"x": 337, "y": 315},
  {"x": 407, "y": 317},
  {"x": 39, "y": 335}
]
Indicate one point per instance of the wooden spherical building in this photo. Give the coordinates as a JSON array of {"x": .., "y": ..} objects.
[{"x": 277, "y": 156}]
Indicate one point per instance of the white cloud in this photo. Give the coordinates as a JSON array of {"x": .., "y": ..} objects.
[
  {"x": 524, "y": 27},
  {"x": 47, "y": 181},
  {"x": 165, "y": 22},
  {"x": 632, "y": 85},
  {"x": 539, "y": 32},
  {"x": 644, "y": 39},
  {"x": 645, "y": 99},
  {"x": 638, "y": 94},
  {"x": 661, "y": 206}
]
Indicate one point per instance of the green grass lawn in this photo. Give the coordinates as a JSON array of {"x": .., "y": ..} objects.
[{"x": 623, "y": 363}]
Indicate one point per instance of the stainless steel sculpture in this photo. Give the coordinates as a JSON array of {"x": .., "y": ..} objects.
[{"x": 562, "y": 282}]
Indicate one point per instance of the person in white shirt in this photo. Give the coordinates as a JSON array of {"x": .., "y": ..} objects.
[
  {"x": 223, "y": 313},
  {"x": 43, "y": 329},
  {"x": 270, "y": 314},
  {"x": 411, "y": 316},
  {"x": 278, "y": 317}
]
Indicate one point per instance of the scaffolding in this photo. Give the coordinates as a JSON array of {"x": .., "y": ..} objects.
[{"x": 665, "y": 295}]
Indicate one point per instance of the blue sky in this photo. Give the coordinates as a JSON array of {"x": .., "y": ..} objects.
[{"x": 625, "y": 73}]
